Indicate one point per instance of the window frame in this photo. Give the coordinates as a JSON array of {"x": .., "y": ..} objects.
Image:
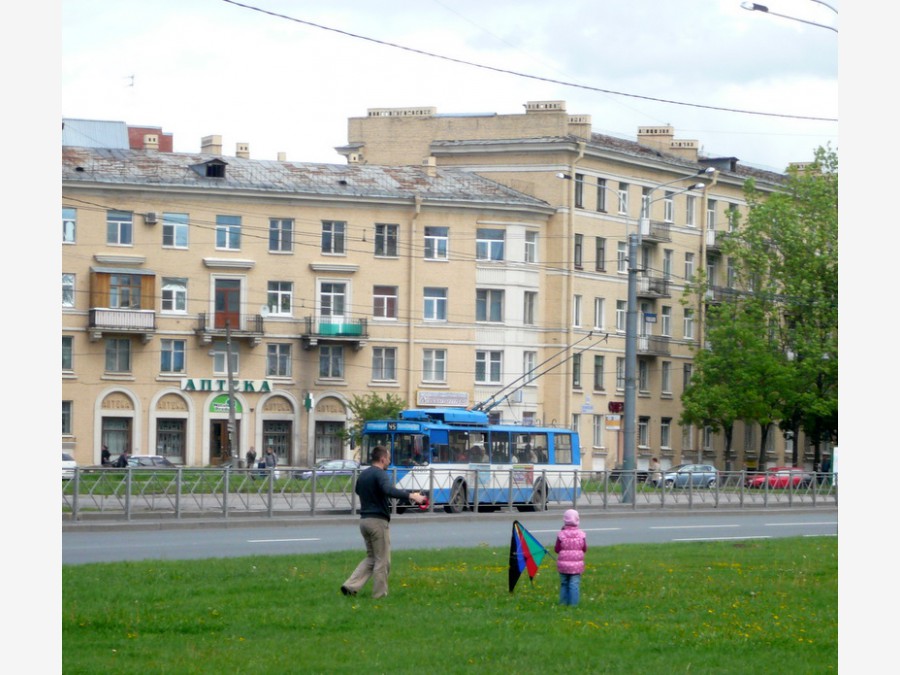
[
  {"x": 68, "y": 353},
  {"x": 228, "y": 232},
  {"x": 117, "y": 355},
  {"x": 599, "y": 365},
  {"x": 331, "y": 362},
  {"x": 529, "y": 308},
  {"x": 488, "y": 246},
  {"x": 172, "y": 294},
  {"x": 68, "y": 289},
  {"x": 279, "y": 359},
  {"x": 69, "y": 225},
  {"x": 172, "y": 353},
  {"x": 384, "y": 364},
  {"x": 385, "y": 303},
  {"x": 488, "y": 366},
  {"x": 175, "y": 230},
  {"x": 435, "y": 304},
  {"x": 281, "y": 235},
  {"x": 387, "y": 240},
  {"x": 489, "y": 305},
  {"x": 334, "y": 237},
  {"x": 434, "y": 365},
  {"x": 119, "y": 228},
  {"x": 277, "y": 292},
  {"x": 436, "y": 243},
  {"x": 531, "y": 246}
]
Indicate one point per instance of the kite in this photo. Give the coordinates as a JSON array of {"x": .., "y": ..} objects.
[{"x": 525, "y": 553}]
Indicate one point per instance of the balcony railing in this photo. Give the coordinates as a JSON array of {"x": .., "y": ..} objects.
[
  {"x": 718, "y": 294},
  {"x": 653, "y": 287},
  {"x": 653, "y": 345},
  {"x": 333, "y": 329},
  {"x": 131, "y": 321},
  {"x": 656, "y": 230},
  {"x": 250, "y": 327}
]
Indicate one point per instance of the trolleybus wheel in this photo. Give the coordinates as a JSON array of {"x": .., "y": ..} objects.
[{"x": 457, "y": 501}]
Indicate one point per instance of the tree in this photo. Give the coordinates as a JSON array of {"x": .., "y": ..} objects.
[
  {"x": 372, "y": 407},
  {"x": 778, "y": 330}
]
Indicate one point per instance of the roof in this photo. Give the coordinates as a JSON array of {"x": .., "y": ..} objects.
[
  {"x": 177, "y": 170},
  {"x": 94, "y": 133}
]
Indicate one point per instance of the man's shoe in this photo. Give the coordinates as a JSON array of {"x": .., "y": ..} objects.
[{"x": 347, "y": 591}]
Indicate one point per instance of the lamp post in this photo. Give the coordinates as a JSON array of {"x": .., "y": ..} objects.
[{"x": 754, "y": 7}]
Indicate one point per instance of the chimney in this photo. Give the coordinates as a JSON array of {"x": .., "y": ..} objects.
[
  {"x": 242, "y": 150},
  {"x": 211, "y": 145},
  {"x": 282, "y": 156},
  {"x": 430, "y": 164},
  {"x": 151, "y": 142}
]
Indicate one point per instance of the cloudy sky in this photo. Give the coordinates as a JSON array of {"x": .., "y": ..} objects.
[{"x": 285, "y": 75}]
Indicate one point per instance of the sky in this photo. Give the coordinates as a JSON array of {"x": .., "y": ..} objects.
[{"x": 286, "y": 76}]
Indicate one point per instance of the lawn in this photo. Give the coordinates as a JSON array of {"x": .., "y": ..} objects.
[{"x": 713, "y": 607}]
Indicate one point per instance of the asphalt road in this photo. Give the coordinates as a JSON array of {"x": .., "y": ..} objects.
[{"x": 218, "y": 539}]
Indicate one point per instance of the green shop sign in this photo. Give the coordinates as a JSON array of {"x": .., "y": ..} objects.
[{"x": 220, "y": 405}]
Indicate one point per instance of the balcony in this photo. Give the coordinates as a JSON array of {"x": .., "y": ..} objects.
[
  {"x": 335, "y": 330},
  {"x": 249, "y": 328},
  {"x": 653, "y": 287},
  {"x": 653, "y": 345},
  {"x": 714, "y": 239},
  {"x": 140, "y": 322},
  {"x": 716, "y": 295},
  {"x": 654, "y": 231}
]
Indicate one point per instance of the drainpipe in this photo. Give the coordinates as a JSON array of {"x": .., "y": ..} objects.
[
  {"x": 410, "y": 304},
  {"x": 701, "y": 304},
  {"x": 569, "y": 299}
]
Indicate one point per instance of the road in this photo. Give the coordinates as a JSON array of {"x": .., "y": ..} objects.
[{"x": 146, "y": 541}]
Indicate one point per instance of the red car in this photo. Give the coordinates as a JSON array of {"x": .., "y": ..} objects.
[{"x": 781, "y": 477}]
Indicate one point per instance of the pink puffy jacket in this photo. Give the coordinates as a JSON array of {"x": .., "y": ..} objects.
[{"x": 571, "y": 544}]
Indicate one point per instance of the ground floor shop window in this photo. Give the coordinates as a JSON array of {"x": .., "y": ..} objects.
[
  {"x": 170, "y": 439},
  {"x": 277, "y": 435},
  {"x": 329, "y": 440},
  {"x": 116, "y": 435}
]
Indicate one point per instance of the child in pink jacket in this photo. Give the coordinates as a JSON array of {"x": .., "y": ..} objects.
[{"x": 571, "y": 545}]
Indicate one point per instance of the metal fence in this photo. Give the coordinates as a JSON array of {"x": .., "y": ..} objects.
[{"x": 111, "y": 493}]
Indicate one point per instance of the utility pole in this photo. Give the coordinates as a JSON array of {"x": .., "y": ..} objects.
[{"x": 232, "y": 425}]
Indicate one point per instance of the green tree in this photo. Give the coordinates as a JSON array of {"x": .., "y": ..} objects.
[{"x": 372, "y": 407}]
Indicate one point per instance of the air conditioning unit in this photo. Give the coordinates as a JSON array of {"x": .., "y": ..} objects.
[{"x": 151, "y": 218}]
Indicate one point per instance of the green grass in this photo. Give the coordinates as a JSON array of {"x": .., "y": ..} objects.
[{"x": 756, "y": 606}]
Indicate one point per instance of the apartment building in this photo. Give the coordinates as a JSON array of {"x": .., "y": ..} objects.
[
  {"x": 601, "y": 188},
  {"x": 301, "y": 284}
]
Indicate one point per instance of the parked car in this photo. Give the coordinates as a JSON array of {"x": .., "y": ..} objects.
[
  {"x": 149, "y": 462},
  {"x": 695, "y": 475},
  {"x": 68, "y": 465},
  {"x": 780, "y": 477},
  {"x": 330, "y": 467}
]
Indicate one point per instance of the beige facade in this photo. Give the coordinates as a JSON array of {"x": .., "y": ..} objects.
[{"x": 446, "y": 260}]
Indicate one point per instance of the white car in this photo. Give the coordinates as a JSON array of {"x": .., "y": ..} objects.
[{"x": 68, "y": 465}]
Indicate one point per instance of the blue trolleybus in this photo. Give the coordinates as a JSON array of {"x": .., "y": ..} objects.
[{"x": 459, "y": 459}]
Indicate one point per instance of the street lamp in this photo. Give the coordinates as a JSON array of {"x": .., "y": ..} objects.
[{"x": 754, "y": 7}]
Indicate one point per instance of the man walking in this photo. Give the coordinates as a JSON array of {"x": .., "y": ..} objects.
[{"x": 375, "y": 491}]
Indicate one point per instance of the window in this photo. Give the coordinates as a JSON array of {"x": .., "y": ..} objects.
[
  {"x": 174, "y": 295},
  {"x": 488, "y": 366},
  {"x": 668, "y": 256},
  {"x": 68, "y": 290},
  {"x": 601, "y": 194},
  {"x": 529, "y": 363},
  {"x": 643, "y": 376},
  {"x": 733, "y": 216},
  {"x": 599, "y": 313},
  {"x": 125, "y": 291},
  {"x": 489, "y": 244},
  {"x": 730, "y": 274},
  {"x": 434, "y": 365},
  {"x": 332, "y": 299},
  {"x": 228, "y": 232},
  {"x": 171, "y": 356},
  {"x": 620, "y": 373},
  {"x": 579, "y": 190},
  {"x": 623, "y": 198},
  {"x": 621, "y": 315},
  {"x": 384, "y": 363},
  {"x": 578, "y": 255},
  {"x": 68, "y": 226},
  {"x": 175, "y": 230},
  {"x": 119, "y": 227},
  {"x": 600, "y": 254},
  {"x": 386, "y": 239},
  {"x": 576, "y": 371},
  {"x": 384, "y": 302},
  {"x": 711, "y": 214},
  {"x": 598, "y": 372},
  {"x": 333, "y": 233},
  {"x": 687, "y": 435},
  {"x": 278, "y": 360},
  {"x": 219, "y": 353},
  {"x": 665, "y": 325},
  {"x": 690, "y": 216},
  {"x": 331, "y": 362},
  {"x": 281, "y": 235},
  {"x": 118, "y": 355},
  {"x": 280, "y": 298},
  {"x": 622, "y": 257},
  {"x": 437, "y": 241},
  {"x": 531, "y": 253},
  {"x": 598, "y": 431},
  {"x": 688, "y": 324},
  {"x": 67, "y": 418},
  {"x": 665, "y": 432},
  {"x": 435, "y": 304},
  {"x": 530, "y": 303},
  {"x": 669, "y": 207},
  {"x": 576, "y": 310},
  {"x": 688, "y": 266},
  {"x": 688, "y": 374},
  {"x": 643, "y": 432},
  {"x": 67, "y": 341},
  {"x": 645, "y": 202},
  {"x": 488, "y": 305},
  {"x": 666, "y": 377}
]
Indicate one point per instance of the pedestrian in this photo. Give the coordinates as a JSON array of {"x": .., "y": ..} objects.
[
  {"x": 271, "y": 458},
  {"x": 655, "y": 472},
  {"x": 104, "y": 456},
  {"x": 375, "y": 491},
  {"x": 122, "y": 462},
  {"x": 251, "y": 459},
  {"x": 571, "y": 545}
]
